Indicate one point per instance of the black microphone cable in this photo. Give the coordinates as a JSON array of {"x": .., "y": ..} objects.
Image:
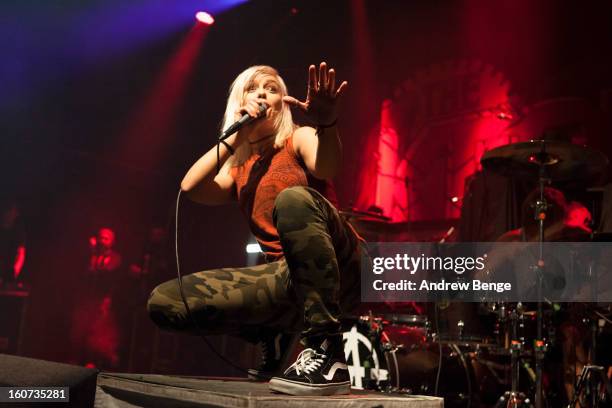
[
  {"x": 180, "y": 284},
  {"x": 246, "y": 119},
  {"x": 236, "y": 126}
]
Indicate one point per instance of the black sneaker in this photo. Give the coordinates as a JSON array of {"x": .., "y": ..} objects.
[
  {"x": 275, "y": 351},
  {"x": 320, "y": 371}
]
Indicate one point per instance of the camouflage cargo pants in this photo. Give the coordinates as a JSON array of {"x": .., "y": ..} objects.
[{"x": 305, "y": 291}]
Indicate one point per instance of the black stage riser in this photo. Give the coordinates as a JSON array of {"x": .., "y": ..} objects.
[{"x": 22, "y": 372}]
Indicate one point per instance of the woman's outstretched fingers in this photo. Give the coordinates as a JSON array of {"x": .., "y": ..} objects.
[
  {"x": 312, "y": 79},
  {"x": 341, "y": 88},
  {"x": 321, "y": 94},
  {"x": 331, "y": 82},
  {"x": 323, "y": 76}
]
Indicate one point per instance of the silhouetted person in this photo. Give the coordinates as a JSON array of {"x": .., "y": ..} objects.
[{"x": 96, "y": 329}]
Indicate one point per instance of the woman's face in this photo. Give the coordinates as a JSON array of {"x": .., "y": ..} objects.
[{"x": 265, "y": 89}]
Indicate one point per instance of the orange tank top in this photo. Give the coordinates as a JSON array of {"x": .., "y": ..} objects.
[{"x": 259, "y": 181}]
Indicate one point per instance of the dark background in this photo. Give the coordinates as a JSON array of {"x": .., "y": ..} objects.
[{"x": 72, "y": 86}]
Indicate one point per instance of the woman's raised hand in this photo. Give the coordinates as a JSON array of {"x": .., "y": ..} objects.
[{"x": 321, "y": 104}]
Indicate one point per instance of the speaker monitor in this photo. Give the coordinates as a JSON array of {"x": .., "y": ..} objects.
[{"x": 23, "y": 372}]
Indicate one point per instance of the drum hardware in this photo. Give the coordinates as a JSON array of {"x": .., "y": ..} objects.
[
  {"x": 460, "y": 326},
  {"x": 544, "y": 160},
  {"x": 562, "y": 161},
  {"x": 514, "y": 400},
  {"x": 414, "y": 357},
  {"x": 594, "y": 384},
  {"x": 467, "y": 374},
  {"x": 593, "y": 379},
  {"x": 541, "y": 208},
  {"x": 414, "y": 354},
  {"x": 547, "y": 160}
]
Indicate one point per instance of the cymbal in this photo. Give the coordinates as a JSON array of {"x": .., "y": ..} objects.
[
  {"x": 563, "y": 161},
  {"x": 352, "y": 214}
]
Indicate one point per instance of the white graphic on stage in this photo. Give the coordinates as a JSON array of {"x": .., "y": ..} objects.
[{"x": 357, "y": 371}]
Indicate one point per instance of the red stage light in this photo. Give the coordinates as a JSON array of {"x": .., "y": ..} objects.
[{"x": 204, "y": 17}]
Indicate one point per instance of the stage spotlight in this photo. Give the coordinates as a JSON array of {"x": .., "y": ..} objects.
[{"x": 204, "y": 18}]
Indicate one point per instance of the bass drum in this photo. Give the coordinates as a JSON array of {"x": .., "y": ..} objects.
[
  {"x": 465, "y": 323},
  {"x": 363, "y": 352},
  {"x": 415, "y": 363}
]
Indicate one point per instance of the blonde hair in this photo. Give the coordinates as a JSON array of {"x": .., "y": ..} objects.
[{"x": 283, "y": 125}]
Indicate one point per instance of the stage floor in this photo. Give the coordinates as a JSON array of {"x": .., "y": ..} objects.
[{"x": 150, "y": 390}]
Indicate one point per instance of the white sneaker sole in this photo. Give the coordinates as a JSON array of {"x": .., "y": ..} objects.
[{"x": 297, "y": 388}]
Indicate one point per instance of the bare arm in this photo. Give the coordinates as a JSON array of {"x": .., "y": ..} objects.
[
  {"x": 321, "y": 153},
  {"x": 202, "y": 184}
]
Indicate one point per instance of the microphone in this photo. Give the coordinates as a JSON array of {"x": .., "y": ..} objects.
[{"x": 243, "y": 121}]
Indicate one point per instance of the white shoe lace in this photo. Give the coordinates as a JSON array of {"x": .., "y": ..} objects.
[{"x": 307, "y": 361}]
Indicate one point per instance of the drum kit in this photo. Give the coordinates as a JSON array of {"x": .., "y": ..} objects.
[
  {"x": 404, "y": 353},
  {"x": 484, "y": 354}
]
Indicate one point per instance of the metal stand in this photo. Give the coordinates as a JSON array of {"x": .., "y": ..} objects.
[
  {"x": 593, "y": 379},
  {"x": 597, "y": 397},
  {"x": 514, "y": 398},
  {"x": 541, "y": 207},
  {"x": 553, "y": 160}
]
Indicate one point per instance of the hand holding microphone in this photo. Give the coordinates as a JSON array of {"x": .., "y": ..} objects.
[
  {"x": 252, "y": 111},
  {"x": 253, "y": 108}
]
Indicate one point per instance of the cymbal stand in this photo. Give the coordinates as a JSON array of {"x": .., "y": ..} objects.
[
  {"x": 541, "y": 207},
  {"x": 514, "y": 398}
]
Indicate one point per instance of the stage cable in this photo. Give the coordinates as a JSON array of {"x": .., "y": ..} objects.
[
  {"x": 180, "y": 284},
  {"x": 437, "y": 330}
]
